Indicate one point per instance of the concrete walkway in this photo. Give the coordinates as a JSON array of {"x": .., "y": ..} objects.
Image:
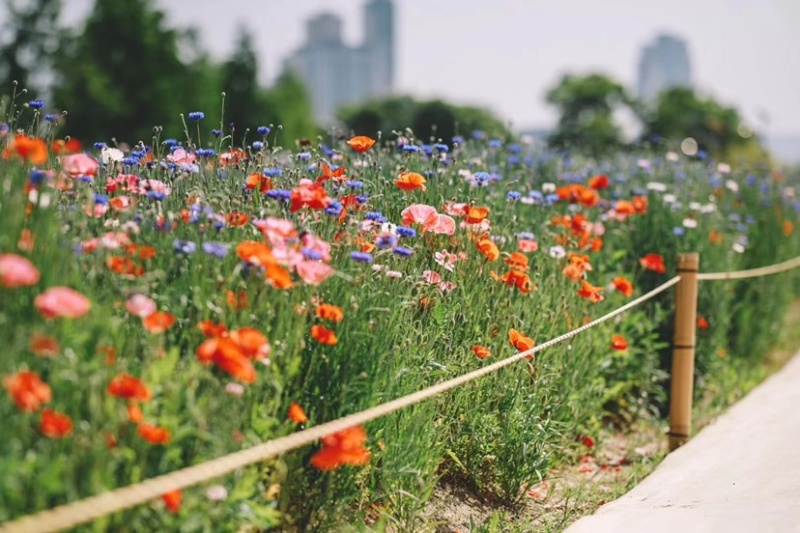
[{"x": 739, "y": 474}]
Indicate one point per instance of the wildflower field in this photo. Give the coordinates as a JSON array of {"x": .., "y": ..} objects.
[{"x": 185, "y": 299}]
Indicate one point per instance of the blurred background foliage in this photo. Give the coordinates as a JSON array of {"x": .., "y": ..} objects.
[{"x": 125, "y": 70}]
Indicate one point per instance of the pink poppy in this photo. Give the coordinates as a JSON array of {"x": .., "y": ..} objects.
[
  {"x": 419, "y": 214},
  {"x": 528, "y": 245},
  {"x": 58, "y": 302},
  {"x": 315, "y": 244},
  {"x": 96, "y": 210},
  {"x": 447, "y": 286},
  {"x": 444, "y": 225},
  {"x": 314, "y": 272},
  {"x": 394, "y": 274},
  {"x": 286, "y": 256},
  {"x": 17, "y": 271},
  {"x": 156, "y": 186},
  {"x": 446, "y": 259},
  {"x": 79, "y": 165},
  {"x": 112, "y": 240},
  {"x": 431, "y": 277},
  {"x": 140, "y": 305},
  {"x": 276, "y": 229},
  {"x": 181, "y": 157},
  {"x": 455, "y": 209}
]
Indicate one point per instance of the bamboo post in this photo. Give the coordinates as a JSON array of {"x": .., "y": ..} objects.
[{"x": 680, "y": 400}]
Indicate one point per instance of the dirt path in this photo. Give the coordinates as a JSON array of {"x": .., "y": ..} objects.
[{"x": 739, "y": 474}]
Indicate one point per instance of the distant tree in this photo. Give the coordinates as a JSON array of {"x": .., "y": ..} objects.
[
  {"x": 680, "y": 113},
  {"x": 28, "y": 42},
  {"x": 288, "y": 105},
  {"x": 123, "y": 74},
  {"x": 586, "y": 107},
  {"x": 244, "y": 99}
]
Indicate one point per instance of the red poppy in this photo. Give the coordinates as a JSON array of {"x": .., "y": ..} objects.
[
  {"x": 153, "y": 434},
  {"x": 619, "y": 343},
  {"x": 590, "y": 292},
  {"x": 481, "y": 352},
  {"x": 312, "y": 196},
  {"x": 128, "y": 387},
  {"x": 257, "y": 181},
  {"x": 323, "y": 335},
  {"x": 345, "y": 447},
  {"x": 520, "y": 341},
  {"x": 599, "y": 182},
  {"x": 653, "y": 262},
  {"x": 173, "y": 500},
  {"x": 623, "y": 285},
  {"x": 135, "y": 414},
  {"x": 409, "y": 181},
  {"x": 237, "y": 219},
  {"x": 297, "y": 414},
  {"x": 361, "y": 143},
  {"x": 54, "y": 425},
  {"x": 702, "y": 323},
  {"x": 43, "y": 345},
  {"x": 158, "y": 322},
  {"x": 27, "y": 390}
]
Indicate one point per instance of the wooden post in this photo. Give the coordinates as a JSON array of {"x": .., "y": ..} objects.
[{"x": 681, "y": 389}]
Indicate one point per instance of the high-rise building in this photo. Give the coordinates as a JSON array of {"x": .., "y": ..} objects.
[
  {"x": 336, "y": 74},
  {"x": 664, "y": 64}
]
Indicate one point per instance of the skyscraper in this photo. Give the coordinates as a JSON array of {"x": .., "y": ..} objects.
[
  {"x": 336, "y": 74},
  {"x": 663, "y": 64}
]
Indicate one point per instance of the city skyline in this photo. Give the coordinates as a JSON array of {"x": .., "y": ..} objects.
[
  {"x": 505, "y": 55},
  {"x": 664, "y": 63}
]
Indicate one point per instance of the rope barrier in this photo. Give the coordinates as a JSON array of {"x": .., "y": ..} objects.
[
  {"x": 82, "y": 511},
  {"x": 752, "y": 273}
]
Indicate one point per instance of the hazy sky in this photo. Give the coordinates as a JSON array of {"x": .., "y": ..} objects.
[{"x": 504, "y": 54}]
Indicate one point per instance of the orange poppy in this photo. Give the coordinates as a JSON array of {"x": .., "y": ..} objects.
[
  {"x": 640, "y": 204},
  {"x": 619, "y": 343},
  {"x": 251, "y": 342},
  {"x": 623, "y": 285},
  {"x": 237, "y": 301},
  {"x": 476, "y": 214},
  {"x": 590, "y": 292},
  {"x": 518, "y": 279},
  {"x": 624, "y": 207},
  {"x": 488, "y": 249},
  {"x": 599, "y": 182},
  {"x": 31, "y": 149},
  {"x": 336, "y": 175},
  {"x": 574, "y": 272},
  {"x": 788, "y": 228},
  {"x": 27, "y": 390},
  {"x": 55, "y": 425},
  {"x": 110, "y": 352},
  {"x": 128, "y": 387},
  {"x": 43, "y": 345},
  {"x": 211, "y": 328},
  {"x": 236, "y": 219},
  {"x": 481, "y": 352},
  {"x": 702, "y": 323},
  {"x": 323, "y": 335},
  {"x": 330, "y": 312},
  {"x": 589, "y": 197},
  {"x": 258, "y": 181},
  {"x": 296, "y": 414},
  {"x": 135, "y": 414},
  {"x": 153, "y": 434},
  {"x": 255, "y": 252},
  {"x": 228, "y": 356},
  {"x": 517, "y": 261},
  {"x": 158, "y": 322},
  {"x": 409, "y": 181},
  {"x": 345, "y": 447},
  {"x": 520, "y": 341},
  {"x": 172, "y": 500},
  {"x": 715, "y": 238},
  {"x": 124, "y": 265},
  {"x": 653, "y": 262},
  {"x": 278, "y": 277},
  {"x": 361, "y": 143}
]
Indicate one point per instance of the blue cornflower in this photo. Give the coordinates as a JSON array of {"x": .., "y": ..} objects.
[
  {"x": 550, "y": 199},
  {"x": 404, "y": 231},
  {"x": 537, "y": 195},
  {"x": 263, "y": 130},
  {"x": 196, "y": 115},
  {"x": 427, "y": 150},
  {"x": 741, "y": 227},
  {"x": 304, "y": 156},
  {"x": 174, "y": 148},
  {"x": 429, "y": 173},
  {"x": 386, "y": 240},
  {"x": 184, "y": 247},
  {"x": 748, "y": 219},
  {"x": 482, "y": 177},
  {"x": 375, "y": 216},
  {"x": 514, "y": 148},
  {"x": 158, "y": 196},
  {"x": 205, "y": 152},
  {"x": 403, "y": 251},
  {"x": 495, "y": 143},
  {"x": 170, "y": 142},
  {"x": 216, "y": 133},
  {"x": 513, "y": 160},
  {"x": 361, "y": 199},
  {"x": 439, "y": 147},
  {"x": 36, "y": 104},
  {"x": 310, "y": 254},
  {"x": 327, "y": 151},
  {"x": 678, "y": 230},
  {"x": 458, "y": 139},
  {"x": 279, "y": 194},
  {"x": 334, "y": 209},
  {"x": 257, "y": 145},
  {"x": 130, "y": 160},
  {"x": 513, "y": 195},
  {"x": 217, "y": 249},
  {"x": 361, "y": 257},
  {"x": 735, "y": 217},
  {"x": 354, "y": 184},
  {"x": 702, "y": 154},
  {"x": 101, "y": 199},
  {"x": 750, "y": 180},
  {"x": 410, "y": 148},
  {"x": 51, "y": 117},
  {"x": 36, "y": 177},
  {"x": 272, "y": 172},
  {"x": 526, "y": 235},
  {"x": 99, "y": 145},
  {"x": 478, "y": 135}
]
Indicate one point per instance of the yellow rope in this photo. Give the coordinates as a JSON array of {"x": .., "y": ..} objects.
[{"x": 81, "y": 511}]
